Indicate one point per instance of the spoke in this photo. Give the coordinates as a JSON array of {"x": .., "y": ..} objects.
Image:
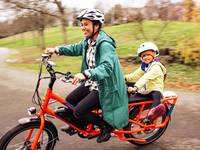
[{"x": 21, "y": 142}]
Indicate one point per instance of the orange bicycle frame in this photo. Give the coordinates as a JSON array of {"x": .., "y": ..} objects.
[{"x": 51, "y": 95}]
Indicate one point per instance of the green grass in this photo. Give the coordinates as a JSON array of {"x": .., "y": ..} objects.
[
  {"x": 187, "y": 74},
  {"x": 127, "y": 37}
]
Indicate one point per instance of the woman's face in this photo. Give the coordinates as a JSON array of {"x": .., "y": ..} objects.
[{"x": 87, "y": 27}]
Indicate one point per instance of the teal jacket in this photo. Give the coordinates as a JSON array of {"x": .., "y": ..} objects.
[{"x": 112, "y": 89}]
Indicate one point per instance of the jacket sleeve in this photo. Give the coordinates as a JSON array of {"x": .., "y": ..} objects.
[
  {"x": 106, "y": 64},
  {"x": 71, "y": 49},
  {"x": 153, "y": 73},
  {"x": 134, "y": 75}
]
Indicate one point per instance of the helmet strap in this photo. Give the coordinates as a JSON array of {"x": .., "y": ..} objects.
[{"x": 93, "y": 33}]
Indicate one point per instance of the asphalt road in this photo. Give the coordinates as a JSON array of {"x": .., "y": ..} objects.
[{"x": 16, "y": 90}]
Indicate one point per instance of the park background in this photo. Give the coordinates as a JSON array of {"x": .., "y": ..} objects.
[{"x": 31, "y": 25}]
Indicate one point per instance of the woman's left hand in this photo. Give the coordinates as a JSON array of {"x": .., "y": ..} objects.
[{"x": 77, "y": 78}]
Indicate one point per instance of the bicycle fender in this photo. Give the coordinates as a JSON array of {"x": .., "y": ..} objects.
[
  {"x": 27, "y": 120},
  {"x": 35, "y": 119}
]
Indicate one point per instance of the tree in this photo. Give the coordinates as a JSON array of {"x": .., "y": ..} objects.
[
  {"x": 114, "y": 15},
  {"x": 36, "y": 11},
  {"x": 196, "y": 14},
  {"x": 62, "y": 17},
  {"x": 153, "y": 10},
  {"x": 150, "y": 10},
  {"x": 74, "y": 12},
  {"x": 188, "y": 10},
  {"x": 43, "y": 7},
  {"x": 100, "y": 5}
]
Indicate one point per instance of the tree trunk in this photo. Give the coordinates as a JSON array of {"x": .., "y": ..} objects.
[
  {"x": 62, "y": 17},
  {"x": 22, "y": 38},
  {"x": 64, "y": 31},
  {"x": 41, "y": 39},
  {"x": 34, "y": 38}
]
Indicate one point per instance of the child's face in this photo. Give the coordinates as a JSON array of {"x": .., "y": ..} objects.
[{"x": 147, "y": 56}]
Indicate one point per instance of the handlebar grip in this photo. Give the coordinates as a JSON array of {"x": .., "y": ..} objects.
[
  {"x": 46, "y": 56},
  {"x": 69, "y": 75}
]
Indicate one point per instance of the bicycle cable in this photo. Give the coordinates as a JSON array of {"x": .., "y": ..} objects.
[{"x": 36, "y": 99}]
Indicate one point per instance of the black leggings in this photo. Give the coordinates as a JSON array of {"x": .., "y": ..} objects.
[
  {"x": 155, "y": 95},
  {"x": 83, "y": 103}
]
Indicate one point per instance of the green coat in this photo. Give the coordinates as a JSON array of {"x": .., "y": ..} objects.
[{"x": 112, "y": 89}]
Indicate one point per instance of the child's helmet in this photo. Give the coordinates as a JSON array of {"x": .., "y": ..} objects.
[
  {"x": 91, "y": 14},
  {"x": 147, "y": 46}
]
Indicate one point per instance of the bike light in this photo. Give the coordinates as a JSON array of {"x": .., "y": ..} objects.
[{"x": 31, "y": 110}]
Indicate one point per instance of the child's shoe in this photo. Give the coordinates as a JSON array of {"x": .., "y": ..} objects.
[{"x": 156, "y": 112}]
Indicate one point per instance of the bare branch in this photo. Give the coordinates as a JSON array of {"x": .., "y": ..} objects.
[{"x": 27, "y": 7}]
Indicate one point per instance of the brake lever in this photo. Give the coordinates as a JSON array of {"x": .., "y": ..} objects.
[
  {"x": 69, "y": 75},
  {"x": 66, "y": 80}
]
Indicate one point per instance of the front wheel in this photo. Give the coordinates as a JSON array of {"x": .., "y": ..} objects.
[
  {"x": 17, "y": 137},
  {"x": 149, "y": 135}
]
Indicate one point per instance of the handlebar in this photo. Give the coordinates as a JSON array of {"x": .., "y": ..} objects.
[
  {"x": 36, "y": 99},
  {"x": 46, "y": 56},
  {"x": 51, "y": 71}
]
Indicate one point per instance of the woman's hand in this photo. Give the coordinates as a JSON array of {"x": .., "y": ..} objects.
[
  {"x": 132, "y": 89},
  {"x": 50, "y": 50},
  {"x": 77, "y": 78}
]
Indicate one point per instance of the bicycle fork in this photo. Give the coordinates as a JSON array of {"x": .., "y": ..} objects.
[{"x": 38, "y": 134}]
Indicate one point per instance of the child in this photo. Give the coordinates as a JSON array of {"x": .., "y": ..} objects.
[{"x": 150, "y": 78}]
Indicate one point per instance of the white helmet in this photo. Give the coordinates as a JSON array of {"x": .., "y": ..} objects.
[
  {"x": 91, "y": 14},
  {"x": 147, "y": 46}
]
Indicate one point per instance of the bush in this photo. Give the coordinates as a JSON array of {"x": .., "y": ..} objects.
[{"x": 188, "y": 51}]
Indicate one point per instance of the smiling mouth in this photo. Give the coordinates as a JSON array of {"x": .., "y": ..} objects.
[{"x": 85, "y": 32}]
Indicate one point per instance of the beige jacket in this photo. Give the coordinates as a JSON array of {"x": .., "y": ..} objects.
[{"x": 151, "y": 80}]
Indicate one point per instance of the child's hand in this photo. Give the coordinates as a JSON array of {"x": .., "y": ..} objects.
[{"x": 132, "y": 89}]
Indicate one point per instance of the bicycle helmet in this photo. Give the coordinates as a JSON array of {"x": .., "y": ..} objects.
[
  {"x": 147, "y": 46},
  {"x": 91, "y": 14}
]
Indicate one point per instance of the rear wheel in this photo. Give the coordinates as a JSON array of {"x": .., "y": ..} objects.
[
  {"x": 150, "y": 135},
  {"x": 16, "y": 137}
]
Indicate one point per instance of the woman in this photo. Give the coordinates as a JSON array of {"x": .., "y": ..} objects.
[{"x": 104, "y": 86}]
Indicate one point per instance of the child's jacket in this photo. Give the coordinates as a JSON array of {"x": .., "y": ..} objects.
[{"x": 150, "y": 80}]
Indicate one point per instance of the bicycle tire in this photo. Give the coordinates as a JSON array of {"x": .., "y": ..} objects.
[
  {"x": 9, "y": 137},
  {"x": 149, "y": 139}
]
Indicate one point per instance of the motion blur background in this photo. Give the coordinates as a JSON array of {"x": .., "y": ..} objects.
[{"x": 28, "y": 26}]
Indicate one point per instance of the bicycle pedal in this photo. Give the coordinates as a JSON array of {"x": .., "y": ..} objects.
[
  {"x": 60, "y": 110},
  {"x": 69, "y": 130}
]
